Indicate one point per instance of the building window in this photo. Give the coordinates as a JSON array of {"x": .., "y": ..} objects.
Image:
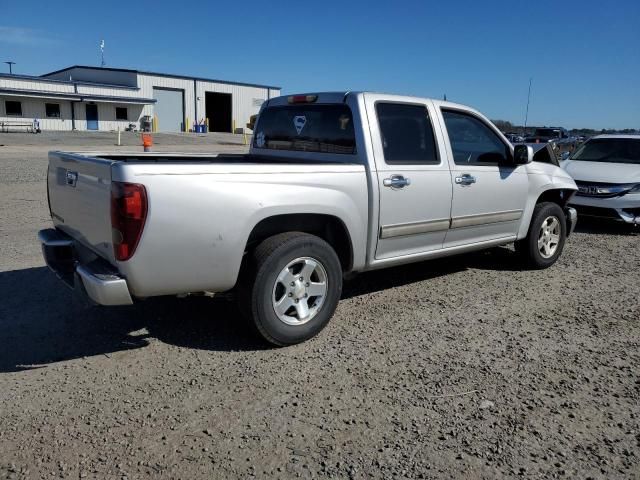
[
  {"x": 13, "y": 108},
  {"x": 121, "y": 113},
  {"x": 52, "y": 110}
]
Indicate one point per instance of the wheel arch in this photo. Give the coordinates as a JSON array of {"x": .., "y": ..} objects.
[
  {"x": 328, "y": 227},
  {"x": 559, "y": 195}
]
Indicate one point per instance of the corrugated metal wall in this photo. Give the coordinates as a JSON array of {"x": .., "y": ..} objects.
[
  {"x": 29, "y": 84},
  {"x": 110, "y": 92},
  {"x": 147, "y": 82},
  {"x": 107, "y": 116},
  {"x": 35, "y": 108},
  {"x": 246, "y": 100},
  {"x": 96, "y": 75}
]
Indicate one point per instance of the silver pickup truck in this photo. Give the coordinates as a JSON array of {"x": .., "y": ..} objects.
[{"x": 334, "y": 183}]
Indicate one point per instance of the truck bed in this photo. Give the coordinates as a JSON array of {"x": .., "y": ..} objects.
[{"x": 202, "y": 204}]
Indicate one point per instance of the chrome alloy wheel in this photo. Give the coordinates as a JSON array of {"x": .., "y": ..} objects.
[
  {"x": 299, "y": 291},
  {"x": 549, "y": 237}
]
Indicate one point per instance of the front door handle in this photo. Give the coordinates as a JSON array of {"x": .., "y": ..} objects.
[
  {"x": 465, "y": 179},
  {"x": 396, "y": 181}
]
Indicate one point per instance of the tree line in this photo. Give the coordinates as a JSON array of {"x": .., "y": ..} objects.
[{"x": 506, "y": 126}]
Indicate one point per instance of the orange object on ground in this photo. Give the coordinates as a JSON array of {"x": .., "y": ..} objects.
[{"x": 147, "y": 142}]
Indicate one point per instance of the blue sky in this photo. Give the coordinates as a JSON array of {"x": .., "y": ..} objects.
[{"x": 584, "y": 56}]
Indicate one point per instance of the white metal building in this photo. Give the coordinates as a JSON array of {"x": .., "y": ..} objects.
[{"x": 100, "y": 98}]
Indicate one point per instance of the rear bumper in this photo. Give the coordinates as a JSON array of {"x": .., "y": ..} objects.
[{"x": 97, "y": 278}]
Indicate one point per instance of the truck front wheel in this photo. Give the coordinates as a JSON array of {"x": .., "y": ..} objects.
[
  {"x": 290, "y": 287},
  {"x": 545, "y": 240}
]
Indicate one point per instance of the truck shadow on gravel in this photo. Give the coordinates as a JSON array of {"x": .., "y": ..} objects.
[
  {"x": 604, "y": 226},
  {"x": 42, "y": 322}
]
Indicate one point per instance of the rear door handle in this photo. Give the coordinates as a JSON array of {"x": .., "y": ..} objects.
[
  {"x": 396, "y": 181},
  {"x": 465, "y": 179}
]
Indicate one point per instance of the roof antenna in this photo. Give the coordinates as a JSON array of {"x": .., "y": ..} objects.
[
  {"x": 526, "y": 115},
  {"x": 102, "y": 62},
  {"x": 445, "y": 97}
]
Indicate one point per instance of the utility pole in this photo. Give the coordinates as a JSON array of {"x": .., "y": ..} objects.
[
  {"x": 526, "y": 115},
  {"x": 10, "y": 69},
  {"x": 102, "y": 62}
]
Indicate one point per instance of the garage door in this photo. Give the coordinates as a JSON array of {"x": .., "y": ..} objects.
[{"x": 169, "y": 109}]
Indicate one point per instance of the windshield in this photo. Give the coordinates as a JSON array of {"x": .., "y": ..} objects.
[
  {"x": 306, "y": 128},
  {"x": 547, "y": 132},
  {"x": 611, "y": 150}
]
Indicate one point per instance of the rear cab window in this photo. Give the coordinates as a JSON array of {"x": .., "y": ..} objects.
[{"x": 321, "y": 128}]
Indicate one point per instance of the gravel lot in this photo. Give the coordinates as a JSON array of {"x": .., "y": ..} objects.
[{"x": 460, "y": 368}]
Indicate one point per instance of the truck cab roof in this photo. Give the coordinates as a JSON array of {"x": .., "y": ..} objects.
[{"x": 340, "y": 97}]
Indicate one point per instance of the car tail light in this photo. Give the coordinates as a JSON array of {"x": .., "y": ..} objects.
[
  {"x": 302, "y": 98},
  {"x": 128, "y": 214}
]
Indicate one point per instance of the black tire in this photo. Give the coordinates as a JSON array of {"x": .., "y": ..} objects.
[
  {"x": 259, "y": 276},
  {"x": 528, "y": 248}
]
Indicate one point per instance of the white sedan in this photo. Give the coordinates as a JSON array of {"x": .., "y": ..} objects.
[{"x": 606, "y": 169}]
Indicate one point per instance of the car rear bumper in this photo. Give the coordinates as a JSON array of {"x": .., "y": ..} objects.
[
  {"x": 625, "y": 208},
  {"x": 96, "y": 278}
]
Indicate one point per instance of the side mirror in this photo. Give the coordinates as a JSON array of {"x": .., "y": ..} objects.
[
  {"x": 565, "y": 155},
  {"x": 522, "y": 154}
]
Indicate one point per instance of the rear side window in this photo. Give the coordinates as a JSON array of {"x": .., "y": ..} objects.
[
  {"x": 407, "y": 134},
  {"x": 472, "y": 141},
  {"x": 306, "y": 128}
]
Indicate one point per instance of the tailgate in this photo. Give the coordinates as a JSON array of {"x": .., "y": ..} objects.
[{"x": 79, "y": 189}]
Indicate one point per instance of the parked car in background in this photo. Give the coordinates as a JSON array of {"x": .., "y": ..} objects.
[
  {"x": 335, "y": 183},
  {"x": 548, "y": 134},
  {"x": 606, "y": 169},
  {"x": 558, "y": 137},
  {"x": 514, "y": 137}
]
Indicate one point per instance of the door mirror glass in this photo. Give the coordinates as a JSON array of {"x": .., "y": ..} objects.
[
  {"x": 565, "y": 155},
  {"x": 522, "y": 154}
]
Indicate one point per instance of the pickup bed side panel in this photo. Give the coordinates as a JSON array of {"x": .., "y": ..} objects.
[{"x": 200, "y": 217}]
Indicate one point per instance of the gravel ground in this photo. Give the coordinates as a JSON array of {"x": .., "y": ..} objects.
[{"x": 461, "y": 368}]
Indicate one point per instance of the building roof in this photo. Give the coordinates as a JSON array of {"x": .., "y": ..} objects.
[
  {"x": 39, "y": 78},
  {"x": 158, "y": 74},
  {"x": 76, "y": 97}
]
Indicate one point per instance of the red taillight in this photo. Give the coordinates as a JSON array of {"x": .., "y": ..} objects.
[
  {"x": 128, "y": 214},
  {"x": 302, "y": 98}
]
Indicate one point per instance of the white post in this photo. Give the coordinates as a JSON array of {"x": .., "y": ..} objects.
[{"x": 118, "y": 135}]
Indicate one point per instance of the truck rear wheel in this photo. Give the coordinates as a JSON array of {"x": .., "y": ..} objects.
[
  {"x": 291, "y": 287},
  {"x": 545, "y": 240}
]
